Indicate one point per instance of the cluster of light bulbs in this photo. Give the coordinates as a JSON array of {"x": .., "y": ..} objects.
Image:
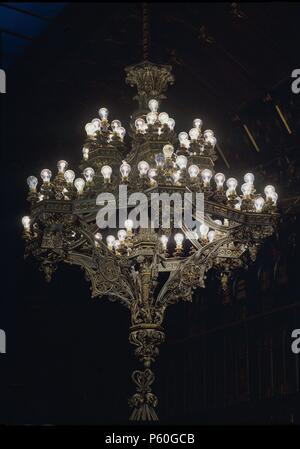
[{"x": 102, "y": 127}]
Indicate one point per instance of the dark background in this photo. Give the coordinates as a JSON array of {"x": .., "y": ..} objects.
[{"x": 227, "y": 358}]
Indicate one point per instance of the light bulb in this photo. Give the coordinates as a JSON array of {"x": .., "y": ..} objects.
[
  {"x": 97, "y": 124},
  {"x": 259, "y": 203},
  {"x": 139, "y": 124},
  {"x": 231, "y": 184},
  {"x": 179, "y": 240},
  {"x": 98, "y": 236},
  {"x": 273, "y": 197},
  {"x": 218, "y": 222},
  {"x": 110, "y": 240},
  {"x": 153, "y": 105},
  {"x": 206, "y": 175},
  {"x": 171, "y": 123},
  {"x": 62, "y": 166},
  {"x": 151, "y": 118},
  {"x": 32, "y": 182},
  {"x": 79, "y": 183},
  {"x": 125, "y": 169},
  {"x": 69, "y": 176},
  {"x": 117, "y": 244},
  {"x": 128, "y": 224},
  {"x": 168, "y": 150},
  {"x": 249, "y": 178},
  {"x": 90, "y": 129},
  {"x": 211, "y": 235},
  {"x": 208, "y": 133},
  {"x": 143, "y": 167},
  {"x": 160, "y": 159},
  {"x": 197, "y": 123},
  {"x": 193, "y": 171},
  {"x": 183, "y": 137},
  {"x": 181, "y": 161},
  {"x": 203, "y": 230},
  {"x": 194, "y": 133},
  {"x": 268, "y": 191},
  {"x": 238, "y": 203},
  {"x": 103, "y": 112},
  {"x": 246, "y": 189},
  {"x": 85, "y": 153},
  {"x": 152, "y": 173},
  {"x": 211, "y": 140},
  {"x": 89, "y": 174},
  {"x": 176, "y": 176},
  {"x": 163, "y": 118},
  {"x": 219, "y": 179},
  {"x": 115, "y": 124},
  {"x": 106, "y": 172},
  {"x": 26, "y": 223},
  {"x": 46, "y": 175},
  {"x": 122, "y": 234},
  {"x": 121, "y": 132},
  {"x": 164, "y": 241}
]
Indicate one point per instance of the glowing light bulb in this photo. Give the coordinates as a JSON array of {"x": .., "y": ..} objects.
[
  {"x": 79, "y": 183},
  {"x": 168, "y": 150},
  {"x": 219, "y": 179},
  {"x": 85, "y": 153},
  {"x": 139, "y": 124},
  {"x": 122, "y": 234},
  {"x": 176, "y": 176},
  {"x": 206, "y": 175},
  {"x": 238, "y": 203},
  {"x": 110, "y": 240},
  {"x": 153, "y": 105},
  {"x": 218, "y": 222},
  {"x": 197, "y": 123},
  {"x": 259, "y": 203},
  {"x": 121, "y": 132},
  {"x": 89, "y": 174},
  {"x": 90, "y": 129},
  {"x": 164, "y": 241},
  {"x": 128, "y": 225},
  {"x": 171, "y": 123},
  {"x": 106, "y": 172},
  {"x": 125, "y": 169},
  {"x": 211, "y": 235},
  {"x": 62, "y": 166},
  {"x": 249, "y": 178},
  {"x": 143, "y": 167},
  {"x": 194, "y": 133},
  {"x": 117, "y": 245},
  {"x": 115, "y": 124},
  {"x": 183, "y": 137},
  {"x": 151, "y": 174},
  {"x": 246, "y": 189},
  {"x": 32, "y": 182},
  {"x": 194, "y": 171},
  {"x": 163, "y": 118},
  {"x": 211, "y": 140},
  {"x": 26, "y": 223},
  {"x": 208, "y": 133},
  {"x": 203, "y": 230},
  {"x": 179, "y": 240},
  {"x": 231, "y": 184},
  {"x": 69, "y": 176},
  {"x": 160, "y": 159},
  {"x": 151, "y": 118},
  {"x": 181, "y": 161},
  {"x": 103, "y": 113},
  {"x": 98, "y": 236},
  {"x": 273, "y": 197},
  {"x": 268, "y": 191},
  {"x": 46, "y": 175},
  {"x": 97, "y": 124}
]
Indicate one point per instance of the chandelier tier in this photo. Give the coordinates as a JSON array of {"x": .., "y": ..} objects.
[{"x": 128, "y": 264}]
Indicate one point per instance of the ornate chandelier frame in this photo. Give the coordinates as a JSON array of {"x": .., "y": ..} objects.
[{"x": 62, "y": 226}]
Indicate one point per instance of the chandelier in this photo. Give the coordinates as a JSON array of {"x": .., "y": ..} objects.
[{"x": 146, "y": 268}]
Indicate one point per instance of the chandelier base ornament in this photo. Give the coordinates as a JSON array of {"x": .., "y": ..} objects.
[{"x": 149, "y": 268}]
